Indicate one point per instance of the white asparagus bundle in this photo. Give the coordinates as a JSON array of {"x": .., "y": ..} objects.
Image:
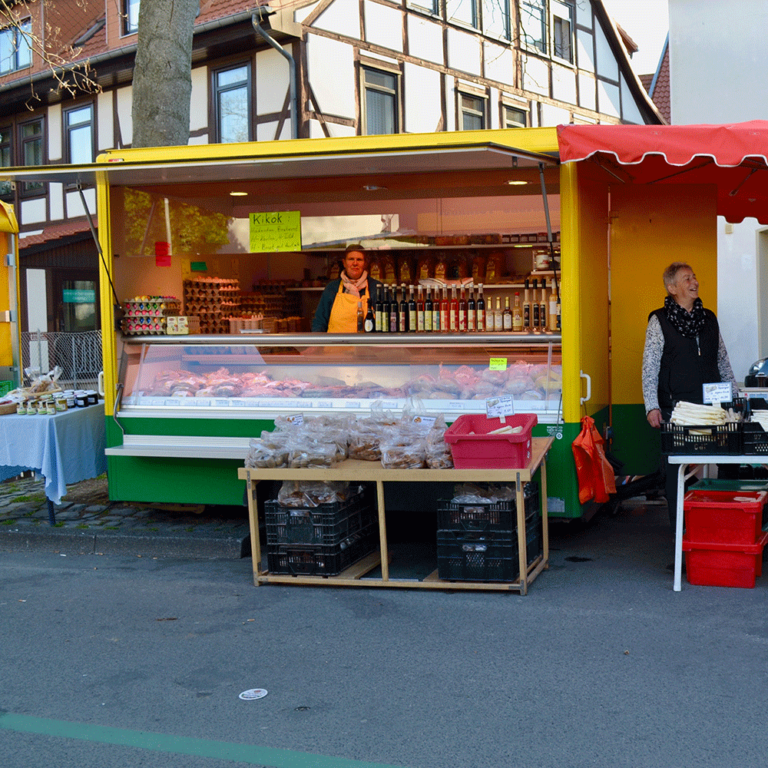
[
  {"x": 761, "y": 417},
  {"x": 692, "y": 414},
  {"x": 508, "y": 430}
]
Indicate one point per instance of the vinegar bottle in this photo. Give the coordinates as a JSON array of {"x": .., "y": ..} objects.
[
  {"x": 403, "y": 312},
  {"x": 527, "y": 307},
  {"x": 543, "y": 306},
  {"x": 480, "y": 319},
  {"x": 444, "y": 317},
  {"x": 498, "y": 317},
  {"x": 394, "y": 313},
  {"x": 360, "y": 318},
  {"x": 471, "y": 317},
  {"x": 384, "y": 327},
  {"x": 419, "y": 310},
  {"x": 453, "y": 310},
  {"x": 535, "y": 306},
  {"x": 506, "y": 317},
  {"x": 428, "y": 312},
  {"x": 412, "y": 318},
  {"x": 517, "y": 315}
]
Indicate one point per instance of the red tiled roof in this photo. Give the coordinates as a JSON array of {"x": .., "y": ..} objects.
[
  {"x": 54, "y": 232},
  {"x": 658, "y": 86}
]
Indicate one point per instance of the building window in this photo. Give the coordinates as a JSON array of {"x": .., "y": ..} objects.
[
  {"x": 496, "y": 18},
  {"x": 380, "y": 102},
  {"x": 433, "y": 6},
  {"x": 15, "y": 51},
  {"x": 78, "y": 134},
  {"x": 562, "y": 31},
  {"x": 6, "y": 149},
  {"x": 533, "y": 24},
  {"x": 514, "y": 117},
  {"x": 464, "y": 11},
  {"x": 31, "y": 145},
  {"x": 472, "y": 112},
  {"x": 232, "y": 93},
  {"x": 131, "y": 16}
]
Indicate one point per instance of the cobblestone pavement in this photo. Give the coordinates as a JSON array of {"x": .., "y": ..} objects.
[{"x": 86, "y": 515}]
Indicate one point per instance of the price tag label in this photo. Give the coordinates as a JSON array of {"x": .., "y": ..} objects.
[
  {"x": 499, "y": 407},
  {"x": 498, "y": 364},
  {"x": 718, "y": 392},
  {"x": 297, "y": 419},
  {"x": 427, "y": 421}
]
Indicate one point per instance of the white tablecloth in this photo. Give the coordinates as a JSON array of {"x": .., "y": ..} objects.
[{"x": 64, "y": 449}]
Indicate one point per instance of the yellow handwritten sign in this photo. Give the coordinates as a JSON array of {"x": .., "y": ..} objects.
[
  {"x": 275, "y": 231},
  {"x": 498, "y": 364}
]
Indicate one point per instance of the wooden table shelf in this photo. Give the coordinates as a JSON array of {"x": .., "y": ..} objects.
[{"x": 369, "y": 471}]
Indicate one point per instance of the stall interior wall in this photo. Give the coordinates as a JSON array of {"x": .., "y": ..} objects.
[{"x": 651, "y": 226}]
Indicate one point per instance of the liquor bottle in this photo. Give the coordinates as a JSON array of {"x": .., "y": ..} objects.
[
  {"x": 498, "y": 317},
  {"x": 471, "y": 316},
  {"x": 543, "y": 306},
  {"x": 437, "y": 318},
  {"x": 535, "y": 306},
  {"x": 517, "y": 315},
  {"x": 413, "y": 322},
  {"x": 463, "y": 311},
  {"x": 419, "y": 310},
  {"x": 402, "y": 314},
  {"x": 527, "y": 307},
  {"x": 444, "y": 317},
  {"x": 506, "y": 315},
  {"x": 554, "y": 309},
  {"x": 384, "y": 327},
  {"x": 393, "y": 312},
  {"x": 480, "y": 319},
  {"x": 360, "y": 317},
  {"x": 453, "y": 309},
  {"x": 428, "y": 311},
  {"x": 369, "y": 324},
  {"x": 379, "y": 326}
]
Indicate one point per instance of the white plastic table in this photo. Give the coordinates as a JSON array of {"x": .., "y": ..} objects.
[{"x": 684, "y": 462}]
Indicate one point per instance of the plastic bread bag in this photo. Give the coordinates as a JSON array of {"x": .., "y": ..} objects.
[
  {"x": 306, "y": 493},
  {"x": 306, "y": 452},
  {"x": 403, "y": 447},
  {"x": 381, "y": 415},
  {"x": 438, "y": 452},
  {"x": 268, "y": 451},
  {"x": 364, "y": 440},
  {"x": 473, "y": 493}
]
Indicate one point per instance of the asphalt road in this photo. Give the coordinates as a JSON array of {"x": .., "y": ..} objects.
[{"x": 124, "y": 661}]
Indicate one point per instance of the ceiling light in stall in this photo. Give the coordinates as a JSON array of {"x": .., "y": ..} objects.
[
  {"x": 516, "y": 182},
  {"x": 238, "y": 194},
  {"x": 373, "y": 188}
]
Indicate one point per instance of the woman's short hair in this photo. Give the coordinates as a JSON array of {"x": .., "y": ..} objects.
[
  {"x": 354, "y": 247},
  {"x": 670, "y": 273}
]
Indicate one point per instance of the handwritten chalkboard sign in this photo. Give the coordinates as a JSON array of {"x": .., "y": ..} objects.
[{"x": 275, "y": 231}]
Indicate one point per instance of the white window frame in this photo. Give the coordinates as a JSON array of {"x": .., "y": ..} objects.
[
  {"x": 522, "y": 109},
  {"x": 130, "y": 11},
  {"x": 365, "y": 87},
  {"x": 218, "y": 90},
  {"x": 482, "y": 99},
  {"x": 557, "y": 9},
  {"x": 69, "y": 130},
  {"x": 533, "y": 43},
  {"x": 470, "y": 19},
  {"x": 20, "y": 51},
  {"x": 496, "y": 6}
]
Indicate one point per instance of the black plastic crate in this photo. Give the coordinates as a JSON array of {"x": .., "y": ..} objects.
[
  {"x": 715, "y": 440},
  {"x": 485, "y": 556},
  {"x": 326, "y": 524},
  {"x": 754, "y": 438},
  {"x": 499, "y": 516},
  {"x": 303, "y": 560}
]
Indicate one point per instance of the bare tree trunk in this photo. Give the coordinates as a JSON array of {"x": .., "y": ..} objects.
[{"x": 162, "y": 79}]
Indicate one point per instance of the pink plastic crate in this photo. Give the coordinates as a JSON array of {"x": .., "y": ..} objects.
[{"x": 473, "y": 448}]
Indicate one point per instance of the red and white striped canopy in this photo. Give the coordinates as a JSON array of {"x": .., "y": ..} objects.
[{"x": 733, "y": 157}]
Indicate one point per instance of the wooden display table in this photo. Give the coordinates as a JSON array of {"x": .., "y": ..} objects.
[{"x": 370, "y": 471}]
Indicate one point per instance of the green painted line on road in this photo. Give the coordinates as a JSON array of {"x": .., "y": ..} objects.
[{"x": 181, "y": 745}]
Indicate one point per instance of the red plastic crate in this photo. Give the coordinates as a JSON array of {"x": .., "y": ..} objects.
[
  {"x": 727, "y": 517},
  {"x": 724, "y": 565},
  {"x": 473, "y": 448}
]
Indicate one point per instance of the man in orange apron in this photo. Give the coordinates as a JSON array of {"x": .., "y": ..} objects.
[{"x": 337, "y": 311}]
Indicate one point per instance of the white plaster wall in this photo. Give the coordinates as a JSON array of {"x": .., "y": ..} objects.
[
  {"x": 33, "y": 211},
  {"x": 302, "y": 13},
  {"x": 425, "y": 39},
  {"x": 587, "y": 92},
  {"x": 383, "y": 26},
  {"x": 535, "y": 75},
  {"x": 332, "y": 75},
  {"x": 124, "y": 105},
  {"x": 494, "y": 120},
  {"x": 551, "y": 115},
  {"x": 198, "y": 114},
  {"x": 422, "y": 99},
  {"x": 630, "y": 112},
  {"x": 464, "y": 52},
  {"x": 585, "y": 54},
  {"x": 606, "y": 61},
  {"x": 273, "y": 81},
  {"x": 608, "y": 98},
  {"x": 53, "y": 127},
  {"x": 105, "y": 122},
  {"x": 563, "y": 84},
  {"x": 37, "y": 303},
  {"x": 74, "y": 203},
  {"x": 450, "y": 97},
  {"x": 341, "y": 17},
  {"x": 56, "y": 201},
  {"x": 499, "y": 64}
]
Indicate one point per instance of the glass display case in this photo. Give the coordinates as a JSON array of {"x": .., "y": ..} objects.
[{"x": 261, "y": 376}]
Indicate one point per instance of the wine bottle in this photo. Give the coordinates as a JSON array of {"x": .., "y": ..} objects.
[
  {"x": 444, "y": 316},
  {"x": 527, "y": 307},
  {"x": 428, "y": 311},
  {"x": 480, "y": 319},
  {"x": 360, "y": 317},
  {"x": 413, "y": 321},
  {"x": 419, "y": 310},
  {"x": 393, "y": 312},
  {"x": 535, "y": 306},
  {"x": 471, "y": 317},
  {"x": 453, "y": 312},
  {"x": 463, "y": 311},
  {"x": 384, "y": 309},
  {"x": 498, "y": 316},
  {"x": 369, "y": 324},
  {"x": 379, "y": 305},
  {"x": 517, "y": 315},
  {"x": 543, "y": 306},
  {"x": 437, "y": 318},
  {"x": 403, "y": 312}
]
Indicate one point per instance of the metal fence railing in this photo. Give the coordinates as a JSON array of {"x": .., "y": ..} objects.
[{"x": 79, "y": 356}]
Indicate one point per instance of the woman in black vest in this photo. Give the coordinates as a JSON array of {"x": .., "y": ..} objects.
[{"x": 683, "y": 351}]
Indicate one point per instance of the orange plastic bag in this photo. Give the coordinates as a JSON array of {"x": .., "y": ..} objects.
[{"x": 594, "y": 471}]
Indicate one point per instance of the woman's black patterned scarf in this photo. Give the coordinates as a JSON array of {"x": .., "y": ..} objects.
[{"x": 688, "y": 324}]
